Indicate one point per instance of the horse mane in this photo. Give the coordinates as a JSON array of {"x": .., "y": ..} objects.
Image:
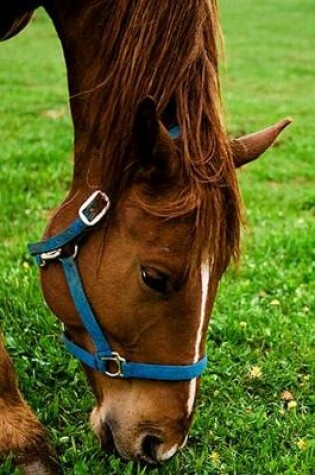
[{"x": 168, "y": 50}]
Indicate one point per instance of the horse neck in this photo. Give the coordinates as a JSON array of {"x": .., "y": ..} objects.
[{"x": 79, "y": 54}]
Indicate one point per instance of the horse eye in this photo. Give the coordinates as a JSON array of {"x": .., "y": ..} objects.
[{"x": 155, "y": 279}]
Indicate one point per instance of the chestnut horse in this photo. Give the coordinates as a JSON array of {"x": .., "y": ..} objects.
[
  {"x": 21, "y": 435},
  {"x": 154, "y": 170}
]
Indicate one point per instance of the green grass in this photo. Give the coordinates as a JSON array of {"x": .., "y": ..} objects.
[{"x": 263, "y": 314}]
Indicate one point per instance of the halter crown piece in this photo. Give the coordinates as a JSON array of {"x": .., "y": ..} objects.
[{"x": 103, "y": 359}]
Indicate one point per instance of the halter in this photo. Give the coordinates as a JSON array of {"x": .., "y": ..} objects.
[{"x": 90, "y": 214}]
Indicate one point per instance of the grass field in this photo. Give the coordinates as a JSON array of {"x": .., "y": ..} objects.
[{"x": 261, "y": 341}]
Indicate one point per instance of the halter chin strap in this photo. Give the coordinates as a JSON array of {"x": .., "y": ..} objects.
[{"x": 103, "y": 359}]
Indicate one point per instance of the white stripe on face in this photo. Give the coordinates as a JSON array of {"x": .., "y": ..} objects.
[{"x": 205, "y": 275}]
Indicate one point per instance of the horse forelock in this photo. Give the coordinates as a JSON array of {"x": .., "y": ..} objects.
[{"x": 171, "y": 53}]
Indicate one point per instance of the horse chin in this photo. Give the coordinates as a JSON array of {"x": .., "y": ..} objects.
[
  {"x": 102, "y": 430},
  {"x": 107, "y": 439}
]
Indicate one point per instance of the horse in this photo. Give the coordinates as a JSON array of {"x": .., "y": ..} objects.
[
  {"x": 21, "y": 434},
  {"x": 131, "y": 260}
]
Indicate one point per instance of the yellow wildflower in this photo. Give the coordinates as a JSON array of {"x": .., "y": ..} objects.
[
  {"x": 302, "y": 445},
  {"x": 255, "y": 372},
  {"x": 215, "y": 457}
]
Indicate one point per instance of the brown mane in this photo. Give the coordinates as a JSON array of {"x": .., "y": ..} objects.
[{"x": 169, "y": 52}]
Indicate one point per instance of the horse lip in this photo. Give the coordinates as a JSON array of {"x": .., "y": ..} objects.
[
  {"x": 109, "y": 446},
  {"x": 41, "y": 465},
  {"x": 142, "y": 457},
  {"x": 38, "y": 468},
  {"x": 107, "y": 438}
]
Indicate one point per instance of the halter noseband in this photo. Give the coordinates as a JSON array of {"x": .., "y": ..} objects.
[{"x": 90, "y": 214}]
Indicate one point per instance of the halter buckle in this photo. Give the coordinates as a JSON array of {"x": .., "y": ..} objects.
[
  {"x": 118, "y": 360},
  {"x": 96, "y": 196},
  {"x": 49, "y": 256},
  {"x": 56, "y": 254}
]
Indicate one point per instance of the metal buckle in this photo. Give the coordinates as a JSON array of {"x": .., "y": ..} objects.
[
  {"x": 50, "y": 256},
  {"x": 55, "y": 254},
  {"x": 86, "y": 204},
  {"x": 75, "y": 251},
  {"x": 118, "y": 360}
]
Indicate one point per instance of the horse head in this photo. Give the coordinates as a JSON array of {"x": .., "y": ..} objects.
[{"x": 151, "y": 276}]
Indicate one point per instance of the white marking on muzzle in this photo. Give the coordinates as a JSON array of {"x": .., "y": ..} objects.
[
  {"x": 163, "y": 456},
  {"x": 205, "y": 275}
]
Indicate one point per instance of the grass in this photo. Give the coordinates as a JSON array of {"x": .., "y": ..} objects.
[{"x": 261, "y": 341}]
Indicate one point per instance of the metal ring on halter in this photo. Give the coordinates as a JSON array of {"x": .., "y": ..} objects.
[
  {"x": 118, "y": 360},
  {"x": 73, "y": 255},
  {"x": 75, "y": 251},
  {"x": 49, "y": 256},
  {"x": 52, "y": 255}
]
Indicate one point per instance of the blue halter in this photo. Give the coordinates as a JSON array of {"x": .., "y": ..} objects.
[{"x": 103, "y": 359}]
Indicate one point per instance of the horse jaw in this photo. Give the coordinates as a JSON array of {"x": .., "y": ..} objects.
[{"x": 250, "y": 147}]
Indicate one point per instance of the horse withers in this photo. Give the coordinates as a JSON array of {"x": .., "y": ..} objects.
[{"x": 132, "y": 258}]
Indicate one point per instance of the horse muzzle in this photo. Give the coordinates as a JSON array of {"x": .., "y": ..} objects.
[
  {"x": 149, "y": 446},
  {"x": 143, "y": 442}
]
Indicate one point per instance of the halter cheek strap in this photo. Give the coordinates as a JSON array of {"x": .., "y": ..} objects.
[{"x": 103, "y": 359}]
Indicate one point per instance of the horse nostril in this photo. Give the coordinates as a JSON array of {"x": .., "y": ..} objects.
[{"x": 150, "y": 444}]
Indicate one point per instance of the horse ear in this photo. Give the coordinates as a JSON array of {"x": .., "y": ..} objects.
[
  {"x": 146, "y": 130},
  {"x": 154, "y": 147},
  {"x": 248, "y": 148}
]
